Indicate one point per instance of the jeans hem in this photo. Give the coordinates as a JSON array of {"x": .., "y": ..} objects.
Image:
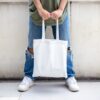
[{"x": 30, "y": 77}]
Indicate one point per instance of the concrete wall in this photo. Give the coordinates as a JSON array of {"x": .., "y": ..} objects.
[{"x": 85, "y": 37}]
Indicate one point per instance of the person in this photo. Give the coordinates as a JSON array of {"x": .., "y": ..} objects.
[{"x": 49, "y": 10}]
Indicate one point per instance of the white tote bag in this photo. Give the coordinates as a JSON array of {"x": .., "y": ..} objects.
[{"x": 50, "y": 56}]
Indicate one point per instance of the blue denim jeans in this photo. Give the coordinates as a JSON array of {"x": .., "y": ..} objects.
[{"x": 35, "y": 32}]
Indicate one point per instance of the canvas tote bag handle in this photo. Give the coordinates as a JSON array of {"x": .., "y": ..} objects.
[{"x": 57, "y": 29}]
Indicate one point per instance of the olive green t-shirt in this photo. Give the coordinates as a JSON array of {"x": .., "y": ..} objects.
[{"x": 49, "y": 5}]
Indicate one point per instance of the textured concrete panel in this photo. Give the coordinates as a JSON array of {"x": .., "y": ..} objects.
[
  {"x": 85, "y": 22},
  {"x": 13, "y": 32}
]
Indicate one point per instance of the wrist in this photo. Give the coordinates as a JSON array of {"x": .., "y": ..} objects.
[
  {"x": 39, "y": 8},
  {"x": 61, "y": 10}
]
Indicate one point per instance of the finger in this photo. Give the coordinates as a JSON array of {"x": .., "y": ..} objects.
[
  {"x": 52, "y": 16},
  {"x": 48, "y": 15},
  {"x": 45, "y": 17}
]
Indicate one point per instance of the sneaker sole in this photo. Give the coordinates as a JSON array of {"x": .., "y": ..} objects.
[
  {"x": 70, "y": 89},
  {"x": 26, "y": 89}
]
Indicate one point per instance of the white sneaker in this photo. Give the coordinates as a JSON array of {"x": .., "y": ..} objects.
[
  {"x": 25, "y": 84},
  {"x": 72, "y": 85}
]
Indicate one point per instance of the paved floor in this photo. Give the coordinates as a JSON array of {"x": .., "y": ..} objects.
[{"x": 50, "y": 91}]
